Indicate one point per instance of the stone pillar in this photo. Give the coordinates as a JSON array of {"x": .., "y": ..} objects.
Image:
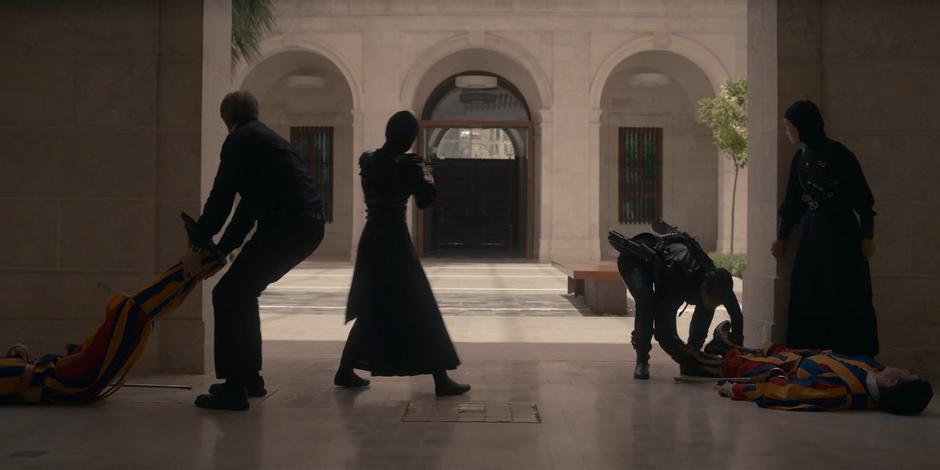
[
  {"x": 544, "y": 169},
  {"x": 873, "y": 69},
  {"x": 102, "y": 139},
  {"x": 575, "y": 199},
  {"x": 358, "y": 203}
]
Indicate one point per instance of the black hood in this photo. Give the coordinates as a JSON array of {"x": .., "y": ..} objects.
[
  {"x": 808, "y": 121},
  {"x": 401, "y": 131}
]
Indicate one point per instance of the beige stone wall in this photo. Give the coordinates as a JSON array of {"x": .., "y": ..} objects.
[
  {"x": 101, "y": 142},
  {"x": 559, "y": 54},
  {"x": 873, "y": 67}
]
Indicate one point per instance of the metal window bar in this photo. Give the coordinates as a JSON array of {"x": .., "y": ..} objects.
[
  {"x": 315, "y": 147},
  {"x": 640, "y": 174}
]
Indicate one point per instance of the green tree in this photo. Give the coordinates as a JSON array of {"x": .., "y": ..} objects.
[
  {"x": 251, "y": 19},
  {"x": 726, "y": 116}
]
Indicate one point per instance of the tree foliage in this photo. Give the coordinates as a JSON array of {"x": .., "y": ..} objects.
[
  {"x": 726, "y": 116},
  {"x": 251, "y": 20}
]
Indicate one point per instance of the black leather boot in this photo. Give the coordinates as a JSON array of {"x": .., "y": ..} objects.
[
  {"x": 444, "y": 386},
  {"x": 642, "y": 369},
  {"x": 346, "y": 377}
]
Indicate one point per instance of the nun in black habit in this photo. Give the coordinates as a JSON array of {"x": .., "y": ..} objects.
[
  {"x": 399, "y": 330},
  {"x": 830, "y": 286}
]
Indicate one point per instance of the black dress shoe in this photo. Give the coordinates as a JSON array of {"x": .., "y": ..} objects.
[
  {"x": 347, "y": 378},
  {"x": 226, "y": 397},
  {"x": 255, "y": 388},
  {"x": 447, "y": 388},
  {"x": 642, "y": 370}
]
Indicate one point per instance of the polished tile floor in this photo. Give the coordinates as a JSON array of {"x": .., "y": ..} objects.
[
  {"x": 593, "y": 416},
  {"x": 575, "y": 370}
]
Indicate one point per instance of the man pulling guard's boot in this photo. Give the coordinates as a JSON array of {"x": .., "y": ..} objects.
[
  {"x": 279, "y": 201},
  {"x": 662, "y": 272}
]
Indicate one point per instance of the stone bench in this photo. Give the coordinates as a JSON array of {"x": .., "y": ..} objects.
[{"x": 599, "y": 283}]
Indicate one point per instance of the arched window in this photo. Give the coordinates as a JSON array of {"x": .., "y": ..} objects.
[{"x": 476, "y": 96}]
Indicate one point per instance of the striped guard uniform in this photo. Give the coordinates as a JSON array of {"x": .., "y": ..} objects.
[
  {"x": 802, "y": 379},
  {"x": 98, "y": 366}
]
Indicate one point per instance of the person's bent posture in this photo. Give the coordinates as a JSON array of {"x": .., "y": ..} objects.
[
  {"x": 276, "y": 192},
  {"x": 662, "y": 273},
  {"x": 815, "y": 380}
]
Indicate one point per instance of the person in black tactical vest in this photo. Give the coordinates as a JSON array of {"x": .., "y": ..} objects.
[{"x": 662, "y": 272}]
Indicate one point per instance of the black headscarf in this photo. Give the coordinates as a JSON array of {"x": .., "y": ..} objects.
[
  {"x": 401, "y": 131},
  {"x": 808, "y": 121}
]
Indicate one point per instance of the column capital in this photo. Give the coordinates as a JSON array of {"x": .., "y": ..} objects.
[{"x": 595, "y": 117}]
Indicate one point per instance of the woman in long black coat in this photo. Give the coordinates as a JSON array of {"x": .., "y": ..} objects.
[
  {"x": 830, "y": 286},
  {"x": 399, "y": 330}
]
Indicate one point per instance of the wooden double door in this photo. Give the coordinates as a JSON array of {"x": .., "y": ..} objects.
[{"x": 482, "y": 173}]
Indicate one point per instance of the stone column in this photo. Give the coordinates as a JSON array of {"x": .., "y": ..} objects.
[
  {"x": 872, "y": 67},
  {"x": 783, "y": 66},
  {"x": 102, "y": 141},
  {"x": 358, "y": 203},
  {"x": 544, "y": 170}
]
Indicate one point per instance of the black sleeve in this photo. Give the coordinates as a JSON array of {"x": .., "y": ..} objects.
[
  {"x": 222, "y": 196},
  {"x": 425, "y": 193},
  {"x": 791, "y": 211},
  {"x": 737, "y": 318},
  {"x": 698, "y": 328},
  {"x": 236, "y": 231},
  {"x": 859, "y": 196}
]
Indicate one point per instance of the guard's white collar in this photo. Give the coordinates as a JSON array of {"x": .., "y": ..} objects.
[{"x": 871, "y": 383}]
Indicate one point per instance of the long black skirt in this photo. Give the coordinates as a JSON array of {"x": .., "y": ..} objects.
[
  {"x": 399, "y": 329},
  {"x": 830, "y": 288}
]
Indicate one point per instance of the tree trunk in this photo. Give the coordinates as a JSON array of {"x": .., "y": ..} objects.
[{"x": 734, "y": 199}]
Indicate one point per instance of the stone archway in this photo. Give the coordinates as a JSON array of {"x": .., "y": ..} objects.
[
  {"x": 493, "y": 55},
  {"x": 712, "y": 74},
  {"x": 656, "y": 160},
  {"x": 307, "y": 98}
]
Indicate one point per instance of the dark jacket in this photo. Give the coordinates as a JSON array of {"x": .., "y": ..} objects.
[{"x": 271, "y": 179}]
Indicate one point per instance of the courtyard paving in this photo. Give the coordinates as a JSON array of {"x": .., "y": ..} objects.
[{"x": 552, "y": 390}]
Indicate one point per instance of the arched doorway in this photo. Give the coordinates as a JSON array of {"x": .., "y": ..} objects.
[
  {"x": 656, "y": 158},
  {"x": 477, "y": 136},
  {"x": 307, "y": 99}
]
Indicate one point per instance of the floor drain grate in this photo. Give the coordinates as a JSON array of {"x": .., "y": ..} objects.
[{"x": 471, "y": 412}]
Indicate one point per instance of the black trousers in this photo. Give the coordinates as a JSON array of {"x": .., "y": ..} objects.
[
  {"x": 656, "y": 307},
  {"x": 268, "y": 256}
]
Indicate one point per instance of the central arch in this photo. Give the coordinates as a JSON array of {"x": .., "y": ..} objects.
[
  {"x": 476, "y": 133},
  {"x": 306, "y": 98},
  {"x": 519, "y": 75}
]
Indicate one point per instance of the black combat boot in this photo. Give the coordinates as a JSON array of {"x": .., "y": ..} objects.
[{"x": 642, "y": 369}]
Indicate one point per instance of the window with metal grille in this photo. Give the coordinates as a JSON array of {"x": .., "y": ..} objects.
[
  {"x": 315, "y": 147},
  {"x": 640, "y": 174}
]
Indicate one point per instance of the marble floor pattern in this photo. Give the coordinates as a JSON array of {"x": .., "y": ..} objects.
[{"x": 575, "y": 369}]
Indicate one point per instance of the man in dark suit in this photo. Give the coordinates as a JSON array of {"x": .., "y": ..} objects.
[{"x": 276, "y": 193}]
